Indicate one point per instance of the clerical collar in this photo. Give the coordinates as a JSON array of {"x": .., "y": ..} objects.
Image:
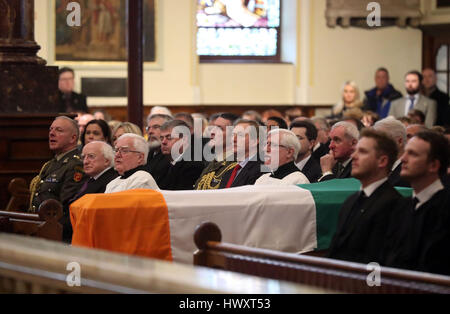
[
  {"x": 284, "y": 170},
  {"x": 129, "y": 173},
  {"x": 428, "y": 193}
]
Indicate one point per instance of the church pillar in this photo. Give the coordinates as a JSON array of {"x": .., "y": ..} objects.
[{"x": 27, "y": 85}]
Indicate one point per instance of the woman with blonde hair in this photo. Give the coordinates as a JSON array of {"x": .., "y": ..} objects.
[
  {"x": 123, "y": 128},
  {"x": 351, "y": 99}
]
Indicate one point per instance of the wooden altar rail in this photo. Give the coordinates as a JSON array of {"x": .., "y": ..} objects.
[
  {"x": 30, "y": 265},
  {"x": 313, "y": 271},
  {"x": 120, "y": 113}
]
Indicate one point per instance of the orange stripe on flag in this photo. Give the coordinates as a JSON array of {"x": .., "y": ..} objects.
[{"x": 132, "y": 222}]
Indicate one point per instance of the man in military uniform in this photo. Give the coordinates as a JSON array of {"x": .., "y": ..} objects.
[
  {"x": 212, "y": 175},
  {"x": 62, "y": 177}
]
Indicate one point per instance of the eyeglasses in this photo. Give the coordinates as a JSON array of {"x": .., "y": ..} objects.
[
  {"x": 154, "y": 127},
  {"x": 124, "y": 150},
  {"x": 88, "y": 157}
]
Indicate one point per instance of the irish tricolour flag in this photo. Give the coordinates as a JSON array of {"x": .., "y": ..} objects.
[{"x": 161, "y": 224}]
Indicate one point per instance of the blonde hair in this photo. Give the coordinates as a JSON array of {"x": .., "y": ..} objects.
[{"x": 357, "y": 103}]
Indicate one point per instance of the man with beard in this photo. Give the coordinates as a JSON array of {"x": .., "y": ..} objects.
[
  {"x": 414, "y": 100},
  {"x": 157, "y": 165}
]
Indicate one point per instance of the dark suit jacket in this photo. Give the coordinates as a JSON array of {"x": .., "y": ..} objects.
[
  {"x": 157, "y": 165},
  {"x": 181, "y": 176},
  {"x": 363, "y": 239},
  {"x": 396, "y": 180},
  {"x": 346, "y": 173},
  {"x": 443, "y": 107},
  {"x": 321, "y": 151},
  {"x": 419, "y": 239},
  {"x": 73, "y": 102},
  {"x": 312, "y": 170},
  {"x": 248, "y": 175}
]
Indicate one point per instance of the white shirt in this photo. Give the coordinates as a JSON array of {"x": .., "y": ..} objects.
[
  {"x": 139, "y": 180},
  {"x": 303, "y": 163},
  {"x": 368, "y": 190},
  {"x": 428, "y": 193},
  {"x": 101, "y": 173},
  {"x": 398, "y": 162}
]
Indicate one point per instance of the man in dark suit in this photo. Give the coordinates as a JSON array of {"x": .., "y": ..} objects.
[
  {"x": 365, "y": 215},
  {"x": 397, "y": 131},
  {"x": 322, "y": 146},
  {"x": 442, "y": 99},
  {"x": 419, "y": 236},
  {"x": 306, "y": 133},
  {"x": 69, "y": 101},
  {"x": 249, "y": 167},
  {"x": 182, "y": 172},
  {"x": 337, "y": 164},
  {"x": 157, "y": 163},
  {"x": 98, "y": 162}
]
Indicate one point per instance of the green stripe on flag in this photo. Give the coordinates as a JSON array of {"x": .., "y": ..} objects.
[{"x": 329, "y": 197}]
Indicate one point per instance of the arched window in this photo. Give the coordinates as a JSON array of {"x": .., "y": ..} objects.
[
  {"x": 443, "y": 68},
  {"x": 239, "y": 30}
]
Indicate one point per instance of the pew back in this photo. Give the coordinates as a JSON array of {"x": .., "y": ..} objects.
[
  {"x": 45, "y": 224},
  {"x": 314, "y": 271}
]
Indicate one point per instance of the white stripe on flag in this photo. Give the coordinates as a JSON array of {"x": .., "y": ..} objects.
[{"x": 281, "y": 218}]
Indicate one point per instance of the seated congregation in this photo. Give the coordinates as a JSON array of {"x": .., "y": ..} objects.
[{"x": 383, "y": 150}]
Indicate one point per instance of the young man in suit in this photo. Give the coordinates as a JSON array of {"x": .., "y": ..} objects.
[
  {"x": 249, "y": 167},
  {"x": 414, "y": 100},
  {"x": 420, "y": 234},
  {"x": 337, "y": 164},
  {"x": 306, "y": 133},
  {"x": 365, "y": 215}
]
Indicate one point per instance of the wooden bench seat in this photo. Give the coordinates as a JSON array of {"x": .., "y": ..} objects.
[
  {"x": 45, "y": 224},
  {"x": 319, "y": 272}
]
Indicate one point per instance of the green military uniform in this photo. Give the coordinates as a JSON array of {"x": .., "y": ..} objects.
[
  {"x": 60, "y": 179},
  {"x": 213, "y": 174}
]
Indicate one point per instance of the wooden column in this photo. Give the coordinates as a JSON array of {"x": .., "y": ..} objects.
[{"x": 135, "y": 62}]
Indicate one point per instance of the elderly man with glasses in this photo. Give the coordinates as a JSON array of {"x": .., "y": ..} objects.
[{"x": 131, "y": 152}]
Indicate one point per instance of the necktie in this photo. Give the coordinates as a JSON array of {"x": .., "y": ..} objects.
[
  {"x": 233, "y": 176},
  {"x": 339, "y": 169},
  {"x": 84, "y": 188},
  {"x": 411, "y": 104},
  {"x": 415, "y": 201}
]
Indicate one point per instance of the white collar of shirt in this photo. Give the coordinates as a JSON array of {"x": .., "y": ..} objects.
[
  {"x": 316, "y": 147},
  {"x": 368, "y": 190},
  {"x": 345, "y": 163},
  {"x": 428, "y": 193},
  {"x": 245, "y": 162},
  {"x": 398, "y": 162},
  {"x": 101, "y": 173},
  {"x": 302, "y": 163}
]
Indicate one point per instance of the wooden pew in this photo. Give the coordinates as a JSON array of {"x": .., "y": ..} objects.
[
  {"x": 45, "y": 224},
  {"x": 313, "y": 271},
  {"x": 20, "y": 195}
]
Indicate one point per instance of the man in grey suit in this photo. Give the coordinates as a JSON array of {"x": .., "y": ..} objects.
[{"x": 414, "y": 100}]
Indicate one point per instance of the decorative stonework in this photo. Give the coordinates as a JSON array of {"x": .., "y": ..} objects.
[{"x": 348, "y": 13}]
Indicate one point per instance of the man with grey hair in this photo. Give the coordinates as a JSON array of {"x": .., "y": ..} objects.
[
  {"x": 281, "y": 151},
  {"x": 397, "y": 130},
  {"x": 337, "y": 164},
  {"x": 98, "y": 164},
  {"x": 130, "y": 159},
  {"x": 157, "y": 164},
  {"x": 161, "y": 110}
]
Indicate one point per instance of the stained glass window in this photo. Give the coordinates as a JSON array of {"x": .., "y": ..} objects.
[{"x": 242, "y": 29}]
